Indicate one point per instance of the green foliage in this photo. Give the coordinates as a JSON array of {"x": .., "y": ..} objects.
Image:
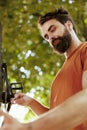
[{"x": 29, "y": 58}]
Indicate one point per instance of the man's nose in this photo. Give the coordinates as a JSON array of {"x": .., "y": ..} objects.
[{"x": 51, "y": 38}]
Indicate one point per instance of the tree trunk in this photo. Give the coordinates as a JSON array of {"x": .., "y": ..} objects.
[{"x": 0, "y": 63}]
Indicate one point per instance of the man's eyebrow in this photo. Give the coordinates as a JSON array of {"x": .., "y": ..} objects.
[
  {"x": 50, "y": 27},
  {"x": 48, "y": 30}
]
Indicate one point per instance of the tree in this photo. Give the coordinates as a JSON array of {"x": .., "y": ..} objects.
[
  {"x": 29, "y": 58},
  {"x": 0, "y": 62}
]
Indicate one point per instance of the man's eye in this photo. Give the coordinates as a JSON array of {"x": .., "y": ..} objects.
[
  {"x": 46, "y": 37},
  {"x": 52, "y": 29}
]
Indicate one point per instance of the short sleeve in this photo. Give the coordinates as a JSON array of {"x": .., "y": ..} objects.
[
  {"x": 84, "y": 58},
  {"x": 85, "y": 61}
]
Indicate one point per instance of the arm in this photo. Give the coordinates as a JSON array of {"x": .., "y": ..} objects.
[
  {"x": 69, "y": 114},
  {"x": 66, "y": 116},
  {"x": 37, "y": 107},
  {"x": 25, "y": 100}
]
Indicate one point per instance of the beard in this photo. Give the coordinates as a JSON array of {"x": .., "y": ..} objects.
[{"x": 64, "y": 42}]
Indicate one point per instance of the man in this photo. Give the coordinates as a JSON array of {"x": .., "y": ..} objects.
[{"x": 68, "y": 102}]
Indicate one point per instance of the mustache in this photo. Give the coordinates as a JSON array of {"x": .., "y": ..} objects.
[
  {"x": 61, "y": 44},
  {"x": 56, "y": 39}
]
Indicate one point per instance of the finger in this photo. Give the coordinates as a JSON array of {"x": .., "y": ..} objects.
[
  {"x": 12, "y": 101},
  {"x": 18, "y": 95},
  {"x": 19, "y": 101}
]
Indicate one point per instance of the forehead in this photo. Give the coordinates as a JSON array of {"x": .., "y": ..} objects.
[{"x": 44, "y": 28}]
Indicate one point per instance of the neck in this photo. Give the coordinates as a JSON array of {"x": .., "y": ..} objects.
[{"x": 74, "y": 44}]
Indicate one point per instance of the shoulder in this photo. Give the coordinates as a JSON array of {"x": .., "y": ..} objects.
[
  {"x": 84, "y": 45},
  {"x": 83, "y": 55},
  {"x": 83, "y": 48}
]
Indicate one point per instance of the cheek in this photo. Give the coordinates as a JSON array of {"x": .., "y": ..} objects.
[
  {"x": 59, "y": 32},
  {"x": 62, "y": 31}
]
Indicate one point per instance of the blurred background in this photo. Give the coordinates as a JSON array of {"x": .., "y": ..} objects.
[{"x": 29, "y": 58}]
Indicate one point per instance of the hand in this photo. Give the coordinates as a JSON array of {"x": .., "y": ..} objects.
[
  {"x": 10, "y": 123},
  {"x": 21, "y": 99}
]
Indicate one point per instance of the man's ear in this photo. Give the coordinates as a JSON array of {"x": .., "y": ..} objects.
[{"x": 69, "y": 25}]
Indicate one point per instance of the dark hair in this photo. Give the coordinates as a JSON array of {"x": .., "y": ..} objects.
[{"x": 60, "y": 14}]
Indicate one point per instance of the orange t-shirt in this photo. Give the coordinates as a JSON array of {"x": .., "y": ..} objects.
[{"x": 68, "y": 81}]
